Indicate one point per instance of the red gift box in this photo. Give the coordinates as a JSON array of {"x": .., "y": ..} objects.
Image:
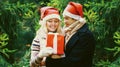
[{"x": 56, "y": 41}]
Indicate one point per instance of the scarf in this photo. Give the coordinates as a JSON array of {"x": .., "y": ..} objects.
[{"x": 72, "y": 29}]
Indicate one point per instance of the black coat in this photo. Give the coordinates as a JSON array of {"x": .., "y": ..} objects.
[{"x": 79, "y": 51}]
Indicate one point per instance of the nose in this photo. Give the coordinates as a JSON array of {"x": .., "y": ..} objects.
[
  {"x": 53, "y": 23},
  {"x": 65, "y": 21}
]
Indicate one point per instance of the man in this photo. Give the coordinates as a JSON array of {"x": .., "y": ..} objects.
[{"x": 79, "y": 41}]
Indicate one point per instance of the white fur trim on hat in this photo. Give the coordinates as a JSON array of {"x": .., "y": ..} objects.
[
  {"x": 51, "y": 16},
  {"x": 76, "y": 17}
]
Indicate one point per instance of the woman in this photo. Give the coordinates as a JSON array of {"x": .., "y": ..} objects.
[{"x": 50, "y": 22}]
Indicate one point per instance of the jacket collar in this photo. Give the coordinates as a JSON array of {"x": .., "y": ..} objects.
[{"x": 84, "y": 28}]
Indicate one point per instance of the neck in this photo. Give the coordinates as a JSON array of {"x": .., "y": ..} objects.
[{"x": 52, "y": 31}]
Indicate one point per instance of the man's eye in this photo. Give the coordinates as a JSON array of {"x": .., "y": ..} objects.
[
  {"x": 66, "y": 18},
  {"x": 56, "y": 21},
  {"x": 49, "y": 21}
]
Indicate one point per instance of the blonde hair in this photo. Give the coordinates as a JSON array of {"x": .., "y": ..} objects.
[{"x": 43, "y": 29}]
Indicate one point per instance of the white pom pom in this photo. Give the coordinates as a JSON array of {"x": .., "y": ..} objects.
[{"x": 82, "y": 20}]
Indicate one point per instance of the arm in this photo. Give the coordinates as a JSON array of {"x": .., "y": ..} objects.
[
  {"x": 35, "y": 48},
  {"x": 81, "y": 53},
  {"x": 37, "y": 54}
]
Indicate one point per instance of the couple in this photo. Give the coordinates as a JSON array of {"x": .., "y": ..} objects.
[{"x": 79, "y": 41}]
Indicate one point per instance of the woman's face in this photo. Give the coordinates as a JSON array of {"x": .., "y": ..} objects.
[{"x": 52, "y": 24}]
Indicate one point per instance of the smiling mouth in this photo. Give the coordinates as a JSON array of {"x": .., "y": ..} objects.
[{"x": 53, "y": 27}]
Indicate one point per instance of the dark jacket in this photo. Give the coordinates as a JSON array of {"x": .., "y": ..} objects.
[{"x": 79, "y": 51}]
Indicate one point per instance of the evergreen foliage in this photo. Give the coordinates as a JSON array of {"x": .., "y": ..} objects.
[{"x": 19, "y": 21}]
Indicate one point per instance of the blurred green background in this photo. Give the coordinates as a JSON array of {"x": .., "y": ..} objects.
[{"x": 19, "y": 23}]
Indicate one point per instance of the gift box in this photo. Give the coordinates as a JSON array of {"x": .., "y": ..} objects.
[{"x": 56, "y": 41}]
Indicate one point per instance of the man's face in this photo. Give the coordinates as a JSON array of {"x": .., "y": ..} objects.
[{"x": 68, "y": 21}]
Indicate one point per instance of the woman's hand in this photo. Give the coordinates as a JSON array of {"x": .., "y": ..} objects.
[{"x": 45, "y": 52}]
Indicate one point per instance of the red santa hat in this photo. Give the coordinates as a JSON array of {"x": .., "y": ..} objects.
[
  {"x": 48, "y": 13},
  {"x": 75, "y": 11}
]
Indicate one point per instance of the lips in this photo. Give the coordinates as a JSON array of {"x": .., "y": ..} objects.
[{"x": 53, "y": 27}]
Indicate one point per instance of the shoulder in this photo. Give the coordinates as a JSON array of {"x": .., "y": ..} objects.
[
  {"x": 84, "y": 28},
  {"x": 85, "y": 32}
]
